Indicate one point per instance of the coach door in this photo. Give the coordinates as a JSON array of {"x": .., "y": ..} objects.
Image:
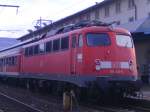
[{"x": 73, "y": 54}]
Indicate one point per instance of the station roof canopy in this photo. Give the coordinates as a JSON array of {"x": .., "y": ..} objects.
[
  {"x": 139, "y": 26},
  {"x": 140, "y": 29}
]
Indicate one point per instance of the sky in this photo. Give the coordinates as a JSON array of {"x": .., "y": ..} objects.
[{"x": 15, "y": 25}]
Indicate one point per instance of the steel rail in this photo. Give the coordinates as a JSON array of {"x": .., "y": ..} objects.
[
  {"x": 24, "y": 104},
  {"x": 138, "y": 108}
]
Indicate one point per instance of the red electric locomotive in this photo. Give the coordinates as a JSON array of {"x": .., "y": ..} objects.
[{"x": 85, "y": 55}]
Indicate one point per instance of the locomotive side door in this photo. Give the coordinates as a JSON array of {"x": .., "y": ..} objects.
[
  {"x": 76, "y": 54},
  {"x": 73, "y": 54}
]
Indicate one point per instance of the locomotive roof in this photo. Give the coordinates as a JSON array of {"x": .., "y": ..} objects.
[{"x": 84, "y": 25}]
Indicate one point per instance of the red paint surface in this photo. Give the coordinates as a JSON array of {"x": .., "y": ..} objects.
[{"x": 65, "y": 62}]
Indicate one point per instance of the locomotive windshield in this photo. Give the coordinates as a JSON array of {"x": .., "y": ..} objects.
[
  {"x": 124, "y": 41},
  {"x": 97, "y": 39}
]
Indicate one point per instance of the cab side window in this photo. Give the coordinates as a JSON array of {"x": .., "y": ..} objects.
[
  {"x": 26, "y": 51},
  {"x": 80, "y": 41},
  {"x": 49, "y": 46},
  {"x": 56, "y": 45},
  {"x": 64, "y": 43},
  {"x": 30, "y": 51},
  {"x": 41, "y": 48},
  {"x": 36, "y": 49},
  {"x": 73, "y": 41}
]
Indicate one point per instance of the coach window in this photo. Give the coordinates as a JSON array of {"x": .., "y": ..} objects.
[
  {"x": 15, "y": 60},
  {"x": 26, "y": 51},
  {"x": 56, "y": 44},
  {"x": 73, "y": 41},
  {"x": 41, "y": 48},
  {"x": 31, "y": 51},
  {"x": 36, "y": 49},
  {"x": 48, "y": 46},
  {"x": 6, "y": 61},
  {"x": 64, "y": 43},
  {"x": 12, "y": 60},
  {"x": 1, "y": 62},
  {"x": 9, "y": 61},
  {"x": 80, "y": 41}
]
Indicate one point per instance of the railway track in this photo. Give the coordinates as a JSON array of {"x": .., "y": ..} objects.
[
  {"x": 122, "y": 109},
  {"x": 126, "y": 105},
  {"x": 41, "y": 101},
  {"x": 20, "y": 105},
  {"x": 9, "y": 93},
  {"x": 111, "y": 109},
  {"x": 139, "y": 109},
  {"x": 138, "y": 105}
]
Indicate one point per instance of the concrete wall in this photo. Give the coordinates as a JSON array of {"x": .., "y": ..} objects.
[{"x": 143, "y": 10}]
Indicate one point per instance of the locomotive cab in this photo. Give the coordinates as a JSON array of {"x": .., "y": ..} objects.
[
  {"x": 109, "y": 56},
  {"x": 109, "y": 53}
]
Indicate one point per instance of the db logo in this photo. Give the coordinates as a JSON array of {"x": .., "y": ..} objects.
[{"x": 97, "y": 61}]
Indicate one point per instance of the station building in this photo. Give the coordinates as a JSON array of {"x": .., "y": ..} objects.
[{"x": 133, "y": 15}]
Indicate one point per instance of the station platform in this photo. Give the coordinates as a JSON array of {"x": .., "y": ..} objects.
[{"x": 146, "y": 92}]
